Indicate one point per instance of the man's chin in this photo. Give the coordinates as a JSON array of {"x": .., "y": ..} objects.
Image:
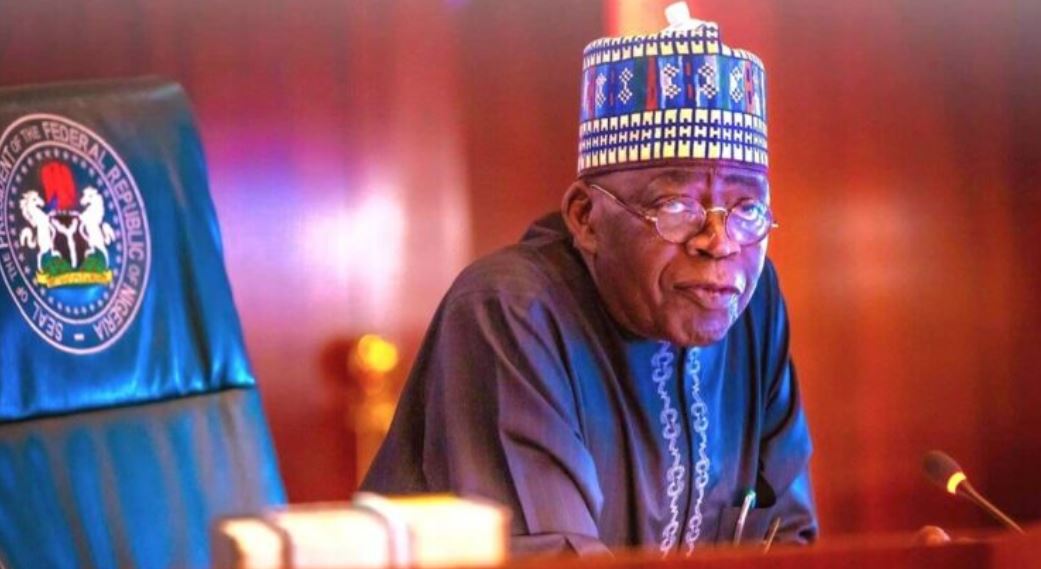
[{"x": 701, "y": 334}]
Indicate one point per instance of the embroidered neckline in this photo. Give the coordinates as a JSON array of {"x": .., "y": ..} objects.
[
  {"x": 676, "y": 474},
  {"x": 699, "y": 417}
]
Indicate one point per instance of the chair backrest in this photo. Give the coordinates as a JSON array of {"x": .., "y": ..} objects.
[{"x": 129, "y": 419}]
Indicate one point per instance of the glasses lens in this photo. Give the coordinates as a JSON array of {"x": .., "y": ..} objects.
[
  {"x": 749, "y": 221},
  {"x": 679, "y": 222}
]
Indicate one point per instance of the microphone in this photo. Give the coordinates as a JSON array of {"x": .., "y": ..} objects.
[{"x": 945, "y": 473}]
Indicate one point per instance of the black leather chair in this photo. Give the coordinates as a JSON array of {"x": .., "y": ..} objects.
[{"x": 129, "y": 418}]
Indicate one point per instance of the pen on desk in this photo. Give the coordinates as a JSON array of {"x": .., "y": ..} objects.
[
  {"x": 746, "y": 505},
  {"x": 770, "y": 535}
]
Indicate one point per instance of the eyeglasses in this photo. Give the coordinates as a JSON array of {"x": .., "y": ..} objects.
[{"x": 678, "y": 220}]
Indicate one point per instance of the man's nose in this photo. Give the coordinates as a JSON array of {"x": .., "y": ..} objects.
[{"x": 713, "y": 240}]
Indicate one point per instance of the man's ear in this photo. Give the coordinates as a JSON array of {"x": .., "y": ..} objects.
[{"x": 577, "y": 209}]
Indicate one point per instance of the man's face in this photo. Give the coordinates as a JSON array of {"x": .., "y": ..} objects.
[{"x": 689, "y": 293}]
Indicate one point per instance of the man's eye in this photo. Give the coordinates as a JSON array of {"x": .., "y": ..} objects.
[
  {"x": 675, "y": 206},
  {"x": 750, "y": 210}
]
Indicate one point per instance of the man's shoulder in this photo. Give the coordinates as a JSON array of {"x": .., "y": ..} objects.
[
  {"x": 766, "y": 317},
  {"x": 769, "y": 296},
  {"x": 520, "y": 271},
  {"x": 542, "y": 265},
  {"x": 768, "y": 289}
]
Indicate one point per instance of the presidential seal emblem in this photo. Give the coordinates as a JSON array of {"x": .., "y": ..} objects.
[{"x": 74, "y": 240}]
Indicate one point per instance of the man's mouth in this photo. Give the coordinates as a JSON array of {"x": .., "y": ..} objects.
[{"x": 710, "y": 296}]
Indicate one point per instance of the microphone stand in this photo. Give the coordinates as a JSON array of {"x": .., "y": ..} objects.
[{"x": 966, "y": 491}]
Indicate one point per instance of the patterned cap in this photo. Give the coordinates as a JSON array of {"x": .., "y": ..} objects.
[{"x": 680, "y": 94}]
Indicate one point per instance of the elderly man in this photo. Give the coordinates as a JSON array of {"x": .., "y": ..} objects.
[{"x": 622, "y": 377}]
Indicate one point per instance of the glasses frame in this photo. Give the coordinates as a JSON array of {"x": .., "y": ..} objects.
[{"x": 653, "y": 219}]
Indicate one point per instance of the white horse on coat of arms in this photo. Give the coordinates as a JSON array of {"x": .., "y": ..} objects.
[
  {"x": 93, "y": 227},
  {"x": 41, "y": 234}
]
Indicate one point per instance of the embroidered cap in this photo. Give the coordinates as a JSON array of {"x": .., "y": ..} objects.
[{"x": 680, "y": 94}]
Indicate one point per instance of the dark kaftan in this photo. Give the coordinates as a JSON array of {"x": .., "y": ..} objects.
[{"x": 528, "y": 393}]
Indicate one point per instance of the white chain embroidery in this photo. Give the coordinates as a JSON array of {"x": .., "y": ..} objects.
[
  {"x": 676, "y": 474},
  {"x": 699, "y": 417}
]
